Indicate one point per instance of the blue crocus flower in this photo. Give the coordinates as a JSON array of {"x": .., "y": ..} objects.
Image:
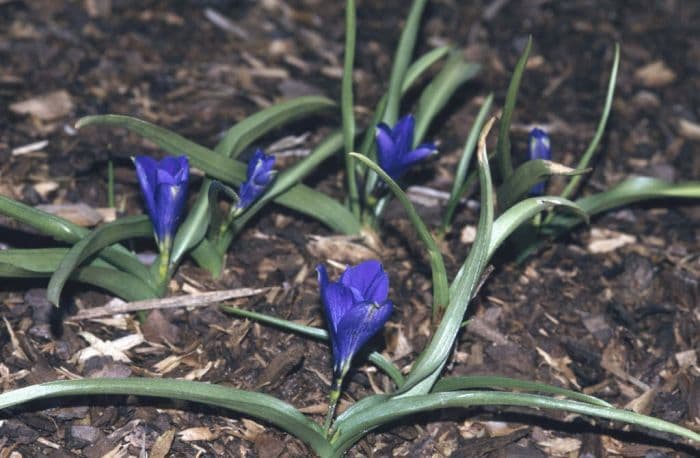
[
  {"x": 164, "y": 188},
  {"x": 539, "y": 148},
  {"x": 260, "y": 175},
  {"x": 356, "y": 307},
  {"x": 395, "y": 150}
]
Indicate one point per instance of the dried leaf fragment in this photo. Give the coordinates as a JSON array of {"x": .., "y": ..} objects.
[{"x": 46, "y": 107}]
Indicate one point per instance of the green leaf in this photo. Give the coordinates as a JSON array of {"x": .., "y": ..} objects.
[
  {"x": 36, "y": 262},
  {"x": 240, "y": 136},
  {"x": 346, "y": 105},
  {"x": 523, "y": 212},
  {"x": 351, "y": 428},
  {"x": 43, "y": 262},
  {"x": 432, "y": 359},
  {"x": 207, "y": 256},
  {"x": 402, "y": 60},
  {"x": 122, "y": 284},
  {"x": 441, "y": 295},
  {"x": 517, "y": 186},
  {"x": 588, "y": 154},
  {"x": 106, "y": 235},
  {"x": 300, "y": 198},
  {"x": 435, "y": 96},
  {"x": 637, "y": 189},
  {"x": 503, "y": 159},
  {"x": 501, "y": 383},
  {"x": 257, "y": 405},
  {"x": 62, "y": 230},
  {"x": 195, "y": 227},
  {"x": 376, "y": 358},
  {"x": 461, "y": 174}
]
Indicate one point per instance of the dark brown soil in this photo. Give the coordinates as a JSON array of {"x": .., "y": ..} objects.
[{"x": 621, "y": 324}]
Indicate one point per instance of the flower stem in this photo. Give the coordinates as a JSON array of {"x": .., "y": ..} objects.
[{"x": 333, "y": 398}]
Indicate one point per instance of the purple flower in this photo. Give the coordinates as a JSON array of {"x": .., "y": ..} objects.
[
  {"x": 164, "y": 188},
  {"x": 395, "y": 150},
  {"x": 539, "y": 148},
  {"x": 259, "y": 177},
  {"x": 356, "y": 307}
]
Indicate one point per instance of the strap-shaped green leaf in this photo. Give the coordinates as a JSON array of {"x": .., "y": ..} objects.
[
  {"x": 432, "y": 359},
  {"x": 503, "y": 159},
  {"x": 638, "y": 189},
  {"x": 461, "y": 174},
  {"x": 63, "y": 230},
  {"x": 316, "y": 333},
  {"x": 104, "y": 236},
  {"x": 241, "y": 135},
  {"x": 402, "y": 60},
  {"x": 196, "y": 225},
  {"x": 352, "y": 428},
  {"x": 441, "y": 295},
  {"x": 435, "y": 96},
  {"x": 346, "y": 106},
  {"x": 36, "y": 262},
  {"x": 528, "y": 174},
  {"x": 257, "y": 405},
  {"x": 588, "y": 154},
  {"x": 43, "y": 262},
  {"x": 300, "y": 198},
  {"x": 493, "y": 382},
  {"x": 523, "y": 212}
]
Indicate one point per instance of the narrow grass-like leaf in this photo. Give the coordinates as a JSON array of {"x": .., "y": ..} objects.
[
  {"x": 402, "y": 60},
  {"x": 354, "y": 427},
  {"x": 300, "y": 198},
  {"x": 241, "y": 135},
  {"x": 632, "y": 190},
  {"x": 523, "y": 212},
  {"x": 37, "y": 262},
  {"x": 441, "y": 297},
  {"x": 207, "y": 256},
  {"x": 570, "y": 188},
  {"x": 375, "y": 358},
  {"x": 62, "y": 230},
  {"x": 104, "y": 236},
  {"x": 432, "y": 359},
  {"x": 435, "y": 96},
  {"x": 637, "y": 189},
  {"x": 257, "y": 405},
  {"x": 493, "y": 382},
  {"x": 461, "y": 173},
  {"x": 195, "y": 227},
  {"x": 503, "y": 159},
  {"x": 43, "y": 262},
  {"x": 346, "y": 106},
  {"x": 528, "y": 174}
]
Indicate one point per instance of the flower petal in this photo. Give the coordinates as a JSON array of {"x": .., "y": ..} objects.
[
  {"x": 259, "y": 176},
  {"x": 369, "y": 279},
  {"x": 147, "y": 172},
  {"x": 337, "y": 299},
  {"x": 403, "y": 134},
  {"x": 386, "y": 147},
  {"x": 418, "y": 154},
  {"x": 357, "y": 326}
]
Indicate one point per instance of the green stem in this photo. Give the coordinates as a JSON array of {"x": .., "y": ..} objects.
[{"x": 333, "y": 398}]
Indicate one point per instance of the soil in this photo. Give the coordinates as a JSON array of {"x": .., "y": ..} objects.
[{"x": 620, "y": 324}]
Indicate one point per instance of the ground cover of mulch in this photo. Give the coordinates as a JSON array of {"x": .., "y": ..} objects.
[{"x": 611, "y": 310}]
